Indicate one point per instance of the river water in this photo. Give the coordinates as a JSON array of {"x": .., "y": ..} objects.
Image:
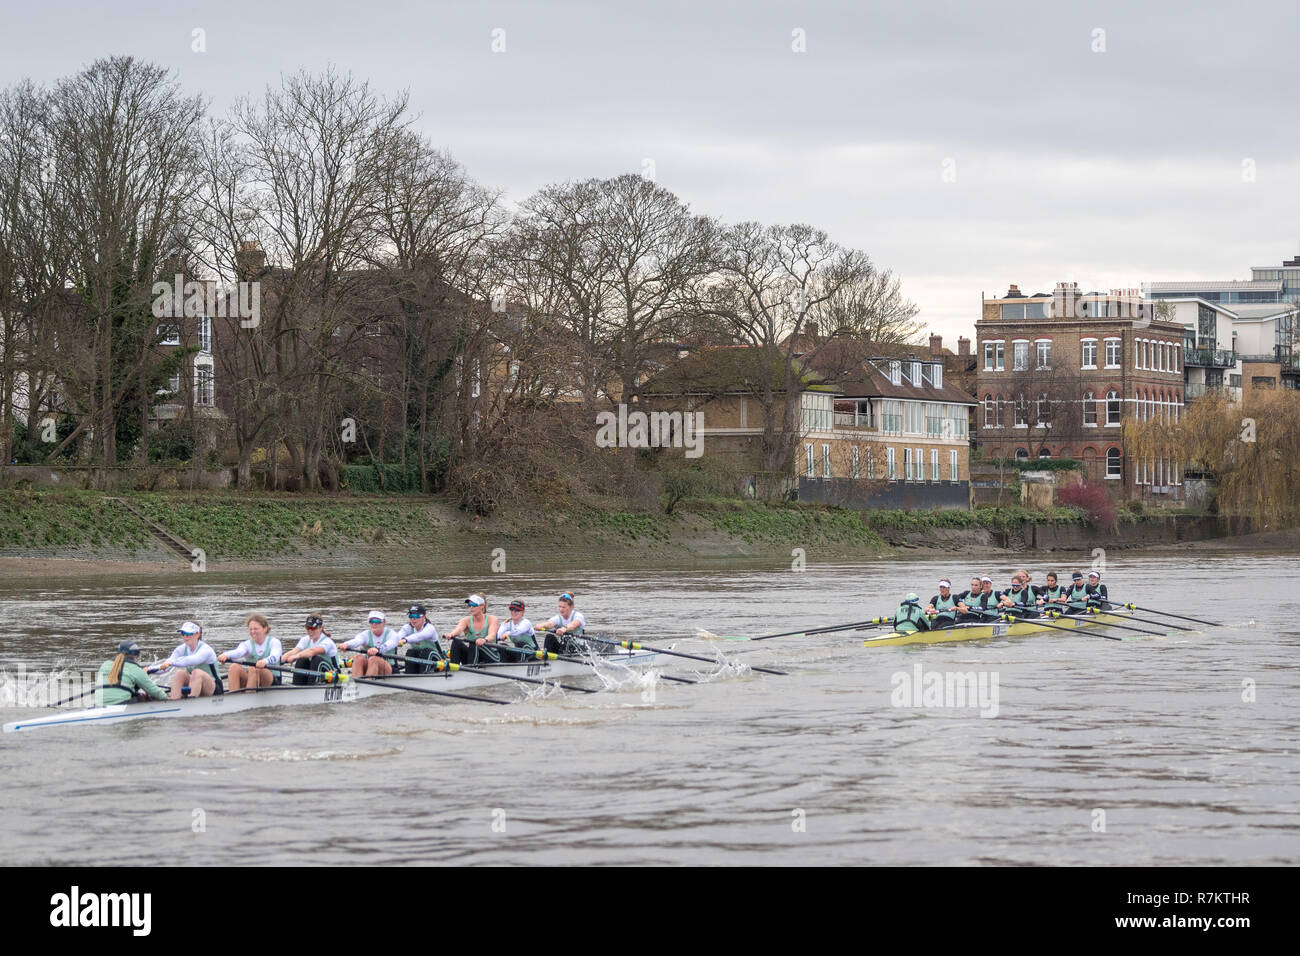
[{"x": 1171, "y": 749}]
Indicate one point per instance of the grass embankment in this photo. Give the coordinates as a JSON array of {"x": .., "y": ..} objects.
[{"x": 54, "y": 519}]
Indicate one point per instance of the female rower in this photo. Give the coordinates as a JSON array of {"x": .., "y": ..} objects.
[
  {"x": 122, "y": 679},
  {"x": 195, "y": 663},
  {"x": 374, "y": 642},
  {"x": 1077, "y": 594},
  {"x": 480, "y": 626},
  {"x": 255, "y": 656},
  {"x": 1020, "y": 601},
  {"x": 941, "y": 611},
  {"x": 421, "y": 640},
  {"x": 1052, "y": 593},
  {"x": 516, "y": 638},
  {"x": 971, "y": 603},
  {"x": 564, "y": 627},
  {"x": 316, "y": 652},
  {"x": 1097, "y": 596}
]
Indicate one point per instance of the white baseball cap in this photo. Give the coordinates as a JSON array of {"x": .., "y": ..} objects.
[
  {"x": 475, "y": 600},
  {"x": 378, "y": 614},
  {"x": 189, "y": 627}
]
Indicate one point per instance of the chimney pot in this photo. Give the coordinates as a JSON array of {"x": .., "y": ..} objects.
[
  {"x": 936, "y": 344},
  {"x": 963, "y": 346}
]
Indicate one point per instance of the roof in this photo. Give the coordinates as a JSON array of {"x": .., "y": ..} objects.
[
  {"x": 876, "y": 384},
  {"x": 1262, "y": 310},
  {"x": 722, "y": 370},
  {"x": 1230, "y": 285}
]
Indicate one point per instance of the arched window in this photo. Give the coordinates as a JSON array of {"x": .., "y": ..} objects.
[
  {"x": 990, "y": 412},
  {"x": 1114, "y": 408},
  {"x": 1044, "y": 453},
  {"x": 1090, "y": 408},
  {"x": 1022, "y": 453},
  {"x": 1113, "y": 467}
]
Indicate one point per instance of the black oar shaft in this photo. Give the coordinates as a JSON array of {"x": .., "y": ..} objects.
[
  {"x": 1181, "y": 617},
  {"x": 629, "y": 645},
  {"x": 680, "y": 680}
]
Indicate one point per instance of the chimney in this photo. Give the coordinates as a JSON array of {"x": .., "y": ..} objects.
[
  {"x": 1014, "y": 293},
  {"x": 250, "y": 259},
  {"x": 963, "y": 346},
  {"x": 936, "y": 345}
]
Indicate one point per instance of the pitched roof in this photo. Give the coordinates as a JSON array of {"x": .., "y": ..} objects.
[
  {"x": 722, "y": 370},
  {"x": 876, "y": 384}
]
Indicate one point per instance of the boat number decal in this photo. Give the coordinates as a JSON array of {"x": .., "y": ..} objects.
[
  {"x": 333, "y": 692},
  {"x": 999, "y": 630}
]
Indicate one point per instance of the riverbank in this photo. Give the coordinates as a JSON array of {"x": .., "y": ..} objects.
[{"x": 78, "y": 532}]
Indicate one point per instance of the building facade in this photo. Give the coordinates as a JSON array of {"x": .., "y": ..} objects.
[{"x": 1058, "y": 373}]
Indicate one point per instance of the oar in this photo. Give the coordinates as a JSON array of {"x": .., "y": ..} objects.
[
  {"x": 628, "y": 645},
  {"x": 425, "y": 690},
  {"x": 705, "y": 635},
  {"x": 1181, "y": 617},
  {"x": 680, "y": 680},
  {"x": 526, "y": 680},
  {"x": 1122, "y": 627},
  {"x": 1148, "y": 620},
  {"x": 1060, "y": 627}
]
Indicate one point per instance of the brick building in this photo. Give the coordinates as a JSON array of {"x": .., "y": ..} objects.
[{"x": 1057, "y": 374}]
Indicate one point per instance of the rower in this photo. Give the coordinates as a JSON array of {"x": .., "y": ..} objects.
[
  {"x": 1052, "y": 593},
  {"x": 1097, "y": 596},
  {"x": 421, "y": 640},
  {"x": 1020, "y": 601},
  {"x": 122, "y": 679},
  {"x": 969, "y": 602},
  {"x": 909, "y": 617},
  {"x": 1077, "y": 594},
  {"x": 255, "y": 656},
  {"x": 565, "y": 627},
  {"x": 942, "y": 608},
  {"x": 374, "y": 642},
  {"x": 516, "y": 638},
  {"x": 315, "y": 650},
  {"x": 479, "y": 625},
  {"x": 195, "y": 663}
]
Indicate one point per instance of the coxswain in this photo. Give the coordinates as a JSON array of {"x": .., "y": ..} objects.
[
  {"x": 909, "y": 617},
  {"x": 316, "y": 652},
  {"x": 373, "y": 642},
  {"x": 479, "y": 627},
  {"x": 421, "y": 640},
  {"x": 122, "y": 679},
  {"x": 195, "y": 664},
  {"x": 564, "y": 627},
  {"x": 941, "y": 610},
  {"x": 252, "y": 662}
]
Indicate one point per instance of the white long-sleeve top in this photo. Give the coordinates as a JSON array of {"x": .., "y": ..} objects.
[
  {"x": 249, "y": 649},
  {"x": 386, "y": 641},
  {"x": 412, "y": 636},
  {"x": 184, "y": 657}
]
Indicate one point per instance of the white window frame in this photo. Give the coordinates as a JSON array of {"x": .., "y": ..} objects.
[
  {"x": 891, "y": 462},
  {"x": 1089, "y": 402},
  {"x": 857, "y": 462},
  {"x": 995, "y": 351},
  {"x": 1016, "y": 365},
  {"x": 811, "y": 469},
  {"x": 1084, "y": 345},
  {"x": 826, "y": 461},
  {"x": 907, "y": 464},
  {"x": 1119, "y": 352},
  {"x": 952, "y": 466},
  {"x": 1119, "y": 463},
  {"x": 1039, "y": 345},
  {"x": 934, "y": 465}
]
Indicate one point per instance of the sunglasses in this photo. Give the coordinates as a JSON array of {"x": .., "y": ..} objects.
[
  {"x": 375, "y": 620},
  {"x": 566, "y": 597}
]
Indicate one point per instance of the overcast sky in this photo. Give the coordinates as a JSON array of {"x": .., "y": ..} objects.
[{"x": 964, "y": 146}]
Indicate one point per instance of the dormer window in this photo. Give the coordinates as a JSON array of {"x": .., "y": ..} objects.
[
  {"x": 937, "y": 371},
  {"x": 916, "y": 374},
  {"x": 896, "y": 372}
]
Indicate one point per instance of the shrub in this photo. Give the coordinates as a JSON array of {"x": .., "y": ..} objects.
[{"x": 1093, "y": 499}]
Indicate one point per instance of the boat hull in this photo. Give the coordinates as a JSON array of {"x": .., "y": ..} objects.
[
  {"x": 998, "y": 629},
  {"x": 282, "y": 695}
]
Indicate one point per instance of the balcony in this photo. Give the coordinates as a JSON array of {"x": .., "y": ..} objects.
[
  {"x": 852, "y": 420},
  {"x": 1199, "y": 390},
  {"x": 1210, "y": 358},
  {"x": 891, "y": 424}
]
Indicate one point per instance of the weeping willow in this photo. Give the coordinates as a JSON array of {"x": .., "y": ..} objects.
[{"x": 1252, "y": 451}]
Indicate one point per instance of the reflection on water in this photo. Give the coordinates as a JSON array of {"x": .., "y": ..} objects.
[{"x": 818, "y": 766}]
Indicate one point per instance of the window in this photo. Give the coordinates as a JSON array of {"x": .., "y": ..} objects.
[
  {"x": 914, "y": 418},
  {"x": 1139, "y": 353},
  {"x": 1113, "y": 408},
  {"x": 205, "y": 334},
  {"x": 916, "y": 373},
  {"x": 1020, "y": 356},
  {"x": 171, "y": 334},
  {"x": 1022, "y": 412},
  {"x": 1044, "y": 411},
  {"x": 1044, "y": 453},
  {"x": 857, "y": 468},
  {"x": 919, "y": 457},
  {"x": 202, "y": 385},
  {"x": 818, "y": 411},
  {"x": 1113, "y": 467},
  {"x": 952, "y": 466},
  {"x": 896, "y": 372},
  {"x": 826, "y": 461},
  {"x": 808, "y": 461},
  {"x": 1088, "y": 347},
  {"x": 993, "y": 356},
  {"x": 990, "y": 412},
  {"x": 173, "y": 386},
  {"x": 1021, "y": 453},
  {"x": 1025, "y": 310},
  {"x": 891, "y": 465},
  {"x": 937, "y": 371},
  {"x": 907, "y": 464},
  {"x": 1044, "y": 353},
  {"x": 1113, "y": 353},
  {"x": 1090, "y": 409},
  {"x": 934, "y": 464},
  {"x": 871, "y": 463}
]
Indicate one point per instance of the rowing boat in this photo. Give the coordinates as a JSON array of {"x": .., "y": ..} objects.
[
  {"x": 981, "y": 632},
  {"x": 345, "y": 689}
]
